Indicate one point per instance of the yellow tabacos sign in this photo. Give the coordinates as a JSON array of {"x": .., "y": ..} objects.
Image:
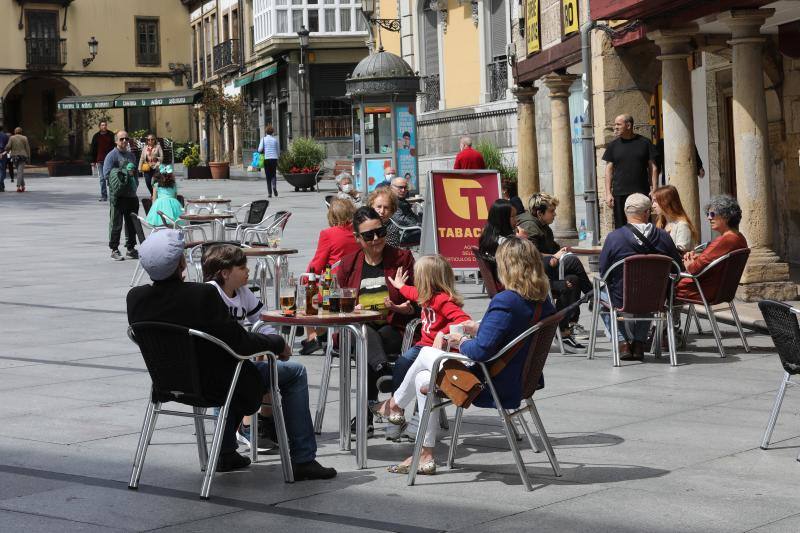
[
  {"x": 570, "y": 17},
  {"x": 532, "y": 27}
]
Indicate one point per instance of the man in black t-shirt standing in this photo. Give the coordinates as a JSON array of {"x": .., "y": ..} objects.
[{"x": 630, "y": 167}]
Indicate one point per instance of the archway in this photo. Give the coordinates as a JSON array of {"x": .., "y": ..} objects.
[{"x": 31, "y": 103}]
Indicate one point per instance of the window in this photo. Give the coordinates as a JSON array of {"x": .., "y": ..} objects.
[
  {"x": 332, "y": 118},
  {"x": 148, "y": 49},
  {"x": 285, "y": 17}
]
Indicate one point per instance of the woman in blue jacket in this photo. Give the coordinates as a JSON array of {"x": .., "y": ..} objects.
[{"x": 510, "y": 313}]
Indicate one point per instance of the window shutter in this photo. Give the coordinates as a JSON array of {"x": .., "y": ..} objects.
[
  {"x": 497, "y": 28},
  {"x": 327, "y": 80},
  {"x": 431, "y": 42}
]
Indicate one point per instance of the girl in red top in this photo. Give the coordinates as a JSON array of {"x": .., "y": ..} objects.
[{"x": 441, "y": 305}]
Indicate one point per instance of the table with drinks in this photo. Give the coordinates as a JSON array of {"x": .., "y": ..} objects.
[
  {"x": 325, "y": 305},
  {"x": 272, "y": 255}
]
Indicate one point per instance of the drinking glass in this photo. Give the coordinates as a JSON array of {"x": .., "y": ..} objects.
[
  {"x": 288, "y": 293},
  {"x": 347, "y": 301},
  {"x": 334, "y": 301},
  {"x": 274, "y": 237}
]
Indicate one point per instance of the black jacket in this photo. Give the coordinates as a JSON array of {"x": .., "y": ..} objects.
[
  {"x": 539, "y": 233},
  {"x": 199, "y": 306}
]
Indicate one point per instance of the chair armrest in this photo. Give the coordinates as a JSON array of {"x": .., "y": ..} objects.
[{"x": 224, "y": 346}]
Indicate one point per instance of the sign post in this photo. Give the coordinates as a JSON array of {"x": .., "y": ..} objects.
[{"x": 459, "y": 203}]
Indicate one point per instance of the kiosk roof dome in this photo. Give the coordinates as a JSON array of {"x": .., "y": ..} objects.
[{"x": 380, "y": 73}]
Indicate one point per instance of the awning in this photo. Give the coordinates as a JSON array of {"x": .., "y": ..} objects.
[
  {"x": 142, "y": 99},
  {"x": 265, "y": 72}
]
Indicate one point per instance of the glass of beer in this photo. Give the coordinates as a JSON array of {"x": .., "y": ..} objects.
[
  {"x": 288, "y": 296},
  {"x": 334, "y": 301},
  {"x": 274, "y": 237},
  {"x": 347, "y": 302}
]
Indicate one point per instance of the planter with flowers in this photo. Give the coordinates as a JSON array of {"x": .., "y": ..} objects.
[{"x": 300, "y": 164}]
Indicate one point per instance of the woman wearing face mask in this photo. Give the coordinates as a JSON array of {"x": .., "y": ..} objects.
[{"x": 346, "y": 190}]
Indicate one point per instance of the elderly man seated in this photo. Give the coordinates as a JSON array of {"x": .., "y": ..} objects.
[
  {"x": 405, "y": 215},
  {"x": 638, "y": 236},
  {"x": 198, "y": 305}
]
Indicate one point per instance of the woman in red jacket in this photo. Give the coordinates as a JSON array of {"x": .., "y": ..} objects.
[
  {"x": 334, "y": 243},
  {"x": 369, "y": 270},
  {"x": 724, "y": 214}
]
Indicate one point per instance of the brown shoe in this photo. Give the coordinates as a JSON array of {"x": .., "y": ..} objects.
[
  {"x": 637, "y": 351},
  {"x": 625, "y": 351}
]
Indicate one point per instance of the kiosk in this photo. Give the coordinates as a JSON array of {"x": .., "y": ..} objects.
[{"x": 383, "y": 89}]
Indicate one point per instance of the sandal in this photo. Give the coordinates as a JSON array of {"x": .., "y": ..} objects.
[
  {"x": 382, "y": 410},
  {"x": 425, "y": 469}
]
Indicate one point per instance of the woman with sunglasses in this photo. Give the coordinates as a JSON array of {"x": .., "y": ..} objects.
[
  {"x": 368, "y": 270},
  {"x": 151, "y": 157},
  {"x": 724, "y": 214}
]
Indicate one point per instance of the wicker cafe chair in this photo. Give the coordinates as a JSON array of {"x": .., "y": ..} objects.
[
  {"x": 728, "y": 269},
  {"x": 782, "y": 322},
  {"x": 256, "y": 212},
  {"x": 541, "y": 336},
  {"x": 409, "y": 235},
  {"x": 647, "y": 292},
  {"x": 487, "y": 273},
  {"x": 170, "y": 353}
]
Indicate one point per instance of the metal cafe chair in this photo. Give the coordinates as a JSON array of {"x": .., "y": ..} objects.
[
  {"x": 541, "y": 336},
  {"x": 490, "y": 283},
  {"x": 728, "y": 269},
  {"x": 256, "y": 214},
  {"x": 169, "y": 351},
  {"x": 140, "y": 224},
  {"x": 409, "y": 235},
  {"x": 187, "y": 229},
  {"x": 647, "y": 294},
  {"x": 782, "y": 322}
]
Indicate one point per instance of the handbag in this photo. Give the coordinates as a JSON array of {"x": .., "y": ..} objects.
[
  {"x": 461, "y": 385},
  {"x": 145, "y": 167}
]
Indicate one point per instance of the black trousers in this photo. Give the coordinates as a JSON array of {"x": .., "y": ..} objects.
[
  {"x": 575, "y": 274},
  {"x": 122, "y": 210},
  {"x": 271, "y": 172},
  {"x": 382, "y": 342}
]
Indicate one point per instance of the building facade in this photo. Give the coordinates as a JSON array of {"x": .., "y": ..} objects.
[{"x": 140, "y": 47}]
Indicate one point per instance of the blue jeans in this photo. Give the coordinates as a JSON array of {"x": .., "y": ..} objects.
[
  {"x": 627, "y": 331},
  {"x": 3, "y": 164},
  {"x": 103, "y": 182},
  {"x": 402, "y": 365},
  {"x": 293, "y": 385}
]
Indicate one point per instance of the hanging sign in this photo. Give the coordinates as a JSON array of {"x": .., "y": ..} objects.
[
  {"x": 570, "y": 18},
  {"x": 532, "y": 40}
]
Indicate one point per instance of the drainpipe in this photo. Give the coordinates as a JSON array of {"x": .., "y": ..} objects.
[{"x": 587, "y": 136}]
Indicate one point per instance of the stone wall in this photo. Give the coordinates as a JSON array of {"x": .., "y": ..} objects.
[{"x": 788, "y": 192}]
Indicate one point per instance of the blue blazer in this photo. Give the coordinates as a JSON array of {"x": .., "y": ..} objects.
[{"x": 509, "y": 314}]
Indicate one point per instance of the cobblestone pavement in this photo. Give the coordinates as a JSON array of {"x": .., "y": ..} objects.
[{"x": 644, "y": 447}]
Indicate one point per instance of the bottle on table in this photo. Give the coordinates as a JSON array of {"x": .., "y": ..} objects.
[
  {"x": 325, "y": 290},
  {"x": 311, "y": 295},
  {"x": 582, "y": 231}
]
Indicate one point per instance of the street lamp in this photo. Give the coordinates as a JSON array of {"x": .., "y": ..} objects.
[
  {"x": 302, "y": 35},
  {"x": 368, "y": 10},
  {"x": 92, "y": 51}
]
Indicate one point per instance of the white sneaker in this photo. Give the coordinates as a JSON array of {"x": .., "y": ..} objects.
[
  {"x": 572, "y": 346},
  {"x": 579, "y": 331}
]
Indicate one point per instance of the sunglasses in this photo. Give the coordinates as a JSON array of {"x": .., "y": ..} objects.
[
  {"x": 401, "y": 187},
  {"x": 711, "y": 214},
  {"x": 124, "y": 139},
  {"x": 370, "y": 235}
]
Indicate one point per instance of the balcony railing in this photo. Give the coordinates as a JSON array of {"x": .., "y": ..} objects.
[
  {"x": 498, "y": 79},
  {"x": 432, "y": 93},
  {"x": 45, "y": 52},
  {"x": 226, "y": 56}
]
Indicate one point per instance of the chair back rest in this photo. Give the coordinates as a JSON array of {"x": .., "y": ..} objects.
[
  {"x": 283, "y": 219},
  {"x": 137, "y": 226},
  {"x": 257, "y": 210},
  {"x": 645, "y": 282},
  {"x": 328, "y": 199},
  {"x": 538, "y": 350},
  {"x": 170, "y": 353},
  {"x": 182, "y": 200},
  {"x": 147, "y": 203},
  {"x": 728, "y": 272},
  {"x": 491, "y": 283},
  {"x": 785, "y": 332}
]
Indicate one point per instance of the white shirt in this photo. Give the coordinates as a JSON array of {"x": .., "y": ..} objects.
[
  {"x": 270, "y": 147},
  {"x": 244, "y": 307}
]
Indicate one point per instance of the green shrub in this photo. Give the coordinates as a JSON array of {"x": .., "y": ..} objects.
[
  {"x": 193, "y": 159},
  {"x": 182, "y": 150},
  {"x": 304, "y": 155},
  {"x": 495, "y": 160}
]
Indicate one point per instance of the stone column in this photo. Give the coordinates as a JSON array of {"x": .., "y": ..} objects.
[
  {"x": 563, "y": 176},
  {"x": 527, "y": 151},
  {"x": 680, "y": 166},
  {"x": 765, "y": 276}
]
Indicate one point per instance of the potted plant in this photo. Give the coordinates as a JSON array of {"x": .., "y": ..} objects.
[
  {"x": 220, "y": 110},
  {"x": 194, "y": 170},
  {"x": 299, "y": 165},
  {"x": 53, "y": 148}
]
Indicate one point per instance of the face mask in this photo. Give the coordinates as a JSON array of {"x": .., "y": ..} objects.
[
  {"x": 347, "y": 189},
  {"x": 390, "y": 177}
]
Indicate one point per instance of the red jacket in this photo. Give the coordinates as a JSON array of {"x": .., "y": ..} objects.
[
  {"x": 349, "y": 275},
  {"x": 726, "y": 243},
  {"x": 334, "y": 243},
  {"x": 469, "y": 158},
  {"x": 437, "y": 315}
]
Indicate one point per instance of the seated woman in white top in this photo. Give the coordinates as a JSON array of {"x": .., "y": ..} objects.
[{"x": 670, "y": 216}]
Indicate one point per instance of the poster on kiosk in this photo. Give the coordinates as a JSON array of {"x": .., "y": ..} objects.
[{"x": 459, "y": 203}]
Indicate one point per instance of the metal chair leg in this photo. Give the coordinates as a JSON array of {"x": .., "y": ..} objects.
[
  {"x": 529, "y": 434},
  {"x": 144, "y": 442},
  {"x": 689, "y": 313},
  {"x": 739, "y": 327},
  {"x": 512, "y": 443},
  {"x": 560, "y": 341},
  {"x": 323, "y": 387},
  {"x": 280, "y": 423},
  {"x": 697, "y": 321},
  {"x": 451, "y": 456},
  {"x": 614, "y": 336},
  {"x": 443, "y": 422},
  {"x": 593, "y": 329},
  {"x": 216, "y": 446},
  {"x": 548, "y": 447},
  {"x": 254, "y": 431},
  {"x": 200, "y": 433},
  {"x": 776, "y": 408},
  {"x": 673, "y": 351},
  {"x": 715, "y": 330}
]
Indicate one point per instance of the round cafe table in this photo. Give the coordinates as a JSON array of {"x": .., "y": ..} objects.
[
  {"x": 216, "y": 220},
  {"x": 354, "y": 323},
  {"x": 273, "y": 255}
]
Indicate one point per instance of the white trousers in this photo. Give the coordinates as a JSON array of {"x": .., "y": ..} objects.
[{"x": 419, "y": 375}]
